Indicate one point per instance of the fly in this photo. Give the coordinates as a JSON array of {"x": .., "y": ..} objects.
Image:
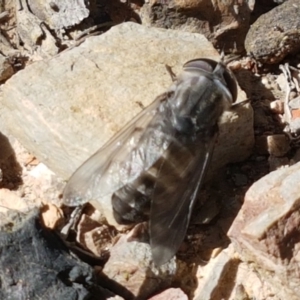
[{"x": 154, "y": 168}]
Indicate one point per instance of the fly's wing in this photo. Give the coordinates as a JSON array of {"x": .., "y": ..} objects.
[
  {"x": 171, "y": 210},
  {"x": 98, "y": 176}
]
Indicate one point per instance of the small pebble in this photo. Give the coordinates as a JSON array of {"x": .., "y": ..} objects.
[
  {"x": 281, "y": 82},
  {"x": 235, "y": 65},
  {"x": 277, "y": 107},
  {"x": 295, "y": 103},
  {"x": 292, "y": 95},
  {"x": 216, "y": 251},
  {"x": 265, "y": 81},
  {"x": 172, "y": 294}
]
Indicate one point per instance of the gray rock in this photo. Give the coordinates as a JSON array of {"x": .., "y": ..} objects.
[
  {"x": 35, "y": 264},
  {"x": 59, "y": 14},
  {"x": 131, "y": 266},
  {"x": 66, "y": 108},
  {"x": 225, "y": 24},
  {"x": 282, "y": 25},
  {"x": 266, "y": 230}
]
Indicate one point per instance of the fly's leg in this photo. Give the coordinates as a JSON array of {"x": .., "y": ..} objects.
[
  {"x": 171, "y": 73},
  {"x": 72, "y": 223}
]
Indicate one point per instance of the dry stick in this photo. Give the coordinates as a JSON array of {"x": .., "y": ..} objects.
[
  {"x": 89, "y": 31},
  {"x": 19, "y": 5}
]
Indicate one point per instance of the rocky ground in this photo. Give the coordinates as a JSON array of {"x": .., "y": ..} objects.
[{"x": 73, "y": 75}]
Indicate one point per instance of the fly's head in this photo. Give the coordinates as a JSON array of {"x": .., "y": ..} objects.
[{"x": 218, "y": 72}]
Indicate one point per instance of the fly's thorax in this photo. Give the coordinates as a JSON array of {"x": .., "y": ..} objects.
[{"x": 197, "y": 102}]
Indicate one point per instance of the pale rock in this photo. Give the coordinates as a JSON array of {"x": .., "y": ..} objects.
[
  {"x": 28, "y": 26},
  {"x": 33, "y": 32},
  {"x": 12, "y": 204},
  {"x": 51, "y": 216},
  {"x": 170, "y": 294},
  {"x": 277, "y": 106},
  {"x": 281, "y": 82},
  {"x": 210, "y": 276},
  {"x": 59, "y": 14},
  {"x": 41, "y": 171},
  {"x": 240, "y": 293},
  {"x": 266, "y": 230},
  {"x": 247, "y": 284},
  {"x": 44, "y": 185},
  {"x": 227, "y": 277},
  {"x": 10, "y": 200},
  {"x": 64, "y": 109},
  {"x": 115, "y": 298},
  {"x": 130, "y": 265}
]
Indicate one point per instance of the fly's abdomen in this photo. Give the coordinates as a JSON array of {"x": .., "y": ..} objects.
[{"x": 132, "y": 203}]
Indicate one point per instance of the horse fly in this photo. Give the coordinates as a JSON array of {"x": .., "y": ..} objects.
[{"x": 154, "y": 167}]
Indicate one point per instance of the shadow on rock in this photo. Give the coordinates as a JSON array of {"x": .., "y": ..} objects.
[{"x": 11, "y": 169}]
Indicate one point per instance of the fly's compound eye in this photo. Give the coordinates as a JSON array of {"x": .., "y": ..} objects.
[
  {"x": 204, "y": 64},
  {"x": 211, "y": 66}
]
